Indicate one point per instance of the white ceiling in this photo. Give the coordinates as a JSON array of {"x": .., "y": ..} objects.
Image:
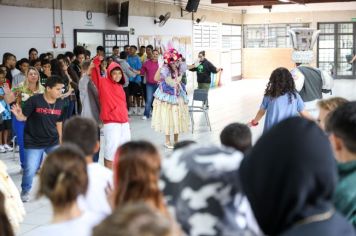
[{"x": 206, "y": 4}]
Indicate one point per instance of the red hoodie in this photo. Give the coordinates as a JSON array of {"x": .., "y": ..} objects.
[{"x": 111, "y": 94}]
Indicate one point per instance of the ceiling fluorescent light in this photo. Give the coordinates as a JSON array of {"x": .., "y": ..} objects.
[{"x": 284, "y": 1}]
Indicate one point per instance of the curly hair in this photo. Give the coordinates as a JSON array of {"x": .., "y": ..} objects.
[{"x": 281, "y": 82}]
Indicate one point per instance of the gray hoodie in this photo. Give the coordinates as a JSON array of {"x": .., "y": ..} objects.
[{"x": 126, "y": 69}]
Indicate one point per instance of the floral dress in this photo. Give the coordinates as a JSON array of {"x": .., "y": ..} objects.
[{"x": 170, "y": 107}]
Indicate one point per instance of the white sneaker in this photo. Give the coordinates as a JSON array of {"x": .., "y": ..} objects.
[
  {"x": 144, "y": 118},
  {"x": 8, "y": 148},
  {"x": 2, "y": 149}
]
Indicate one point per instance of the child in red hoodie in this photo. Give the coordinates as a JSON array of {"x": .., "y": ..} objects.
[{"x": 113, "y": 108}]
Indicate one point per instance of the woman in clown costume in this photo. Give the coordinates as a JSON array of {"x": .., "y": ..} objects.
[{"x": 170, "y": 107}]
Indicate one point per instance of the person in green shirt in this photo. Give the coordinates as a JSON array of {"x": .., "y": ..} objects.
[{"x": 341, "y": 127}]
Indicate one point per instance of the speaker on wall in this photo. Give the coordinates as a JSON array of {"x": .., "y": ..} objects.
[
  {"x": 124, "y": 14},
  {"x": 192, "y": 5}
]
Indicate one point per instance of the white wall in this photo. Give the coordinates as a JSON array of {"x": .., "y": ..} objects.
[
  {"x": 145, "y": 26},
  {"x": 23, "y": 28}
]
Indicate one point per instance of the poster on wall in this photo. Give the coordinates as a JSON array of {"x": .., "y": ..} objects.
[{"x": 162, "y": 43}]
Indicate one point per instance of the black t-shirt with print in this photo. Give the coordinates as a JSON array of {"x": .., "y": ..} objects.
[
  {"x": 41, "y": 124},
  {"x": 204, "y": 70}
]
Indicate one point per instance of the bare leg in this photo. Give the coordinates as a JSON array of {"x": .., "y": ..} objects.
[
  {"x": 175, "y": 138},
  {"x": 2, "y": 141},
  {"x": 168, "y": 139},
  {"x": 6, "y": 135},
  {"x": 108, "y": 164}
]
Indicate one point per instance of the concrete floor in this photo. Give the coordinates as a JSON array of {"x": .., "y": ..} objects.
[{"x": 235, "y": 102}]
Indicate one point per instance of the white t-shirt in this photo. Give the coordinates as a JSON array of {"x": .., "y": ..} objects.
[
  {"x": 82, "y": 226},
  {"x": 95, "y": 200}
]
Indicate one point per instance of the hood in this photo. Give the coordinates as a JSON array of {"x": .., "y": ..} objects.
[
  {"x": 289, "y": 174},
  {"x": 112, "y": 66}
]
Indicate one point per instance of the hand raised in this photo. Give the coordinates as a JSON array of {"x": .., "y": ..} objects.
[
  {"x": 16, "y": 109},
  {"x": 6, "y": 88}
]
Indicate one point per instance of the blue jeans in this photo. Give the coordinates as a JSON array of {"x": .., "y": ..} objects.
[
  {"x": 19, "y": 127},
  {"x": 150, "y": 90},
  {"x": 33, "y": 159}
]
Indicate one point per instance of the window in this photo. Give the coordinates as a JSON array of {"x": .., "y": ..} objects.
[
  {"x": 115, "y": 39},
  {"x": 106, "y": 38},
  {"x": 336, "y": 48},
  {"x": 231, "y": 45},
  {"x": 205, "y": 36},
  {"x": 269, "y": 36}
]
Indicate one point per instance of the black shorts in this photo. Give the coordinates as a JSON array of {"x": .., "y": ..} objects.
[
  {"x": 135, "y": 89},
  {"x": 6, "y": 125}
]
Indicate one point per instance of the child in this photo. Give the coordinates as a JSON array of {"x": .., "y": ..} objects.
[
  {"x": 63, "y": 179},
  {"x": 237, "y": 136},
  {"x": 43, "y": 128},
  {"x": 135, "y": 88},
  {"x": 86, "y": 138},
  {"x": 46, "y": 71},
  {"x": 280, "y": 100},
  {"x": 113, "y": 111},
  {"x": 326, "y": 106},
  {"x": 135, "y": 220},
  {"x": 341, "y": 127},
  {"x": 5, "y": 126}
]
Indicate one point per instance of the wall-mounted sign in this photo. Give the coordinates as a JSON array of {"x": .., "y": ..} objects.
[{"x": 89, "y": 17}]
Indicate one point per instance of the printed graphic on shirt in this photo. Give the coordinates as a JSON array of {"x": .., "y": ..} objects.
[{"x": 200, "y": 68}]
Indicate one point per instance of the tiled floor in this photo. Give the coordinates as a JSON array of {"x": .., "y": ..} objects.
[{"x": 234, "y": 102}]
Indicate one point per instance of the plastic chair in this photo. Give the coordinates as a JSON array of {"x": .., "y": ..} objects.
[{"x": 199, "y": 95}]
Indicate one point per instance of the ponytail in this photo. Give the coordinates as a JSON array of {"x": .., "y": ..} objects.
[{"x": 64, "y": 176}]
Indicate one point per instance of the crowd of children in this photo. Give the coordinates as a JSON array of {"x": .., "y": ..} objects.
[{"x": 298, "y": 179}]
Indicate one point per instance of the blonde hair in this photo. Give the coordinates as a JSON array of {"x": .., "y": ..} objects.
[
  {"x": 25, "y": 83},
  {"x": 331, "y": 104}
]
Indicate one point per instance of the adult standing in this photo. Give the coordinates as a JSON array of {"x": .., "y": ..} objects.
[
  {"x": 204, "y": 70},
  {"x": 311, "y": 83},
  {"x": 149, "y": 70},
  {"x": 170, "y": 107}
]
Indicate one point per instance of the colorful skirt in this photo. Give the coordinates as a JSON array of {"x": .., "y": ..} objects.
[{"x": 170, "y": 113}]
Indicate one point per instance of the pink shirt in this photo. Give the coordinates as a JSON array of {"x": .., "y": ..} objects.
[{"x": 149, "y": 69}]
